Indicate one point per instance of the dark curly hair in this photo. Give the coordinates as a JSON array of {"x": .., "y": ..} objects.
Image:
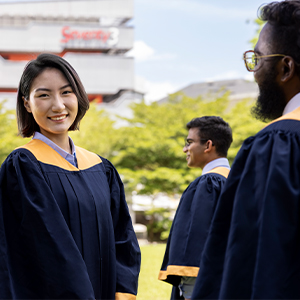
[
  {"x": 284, "y": 17},
  {"x": 215, "y": 129},
  {"x": 26, "y": 123}
]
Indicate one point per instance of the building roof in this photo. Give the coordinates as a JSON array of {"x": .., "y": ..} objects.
[{"x": 238, "y": 88}]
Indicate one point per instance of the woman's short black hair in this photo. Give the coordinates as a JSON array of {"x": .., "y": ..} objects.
[
  {"x": 215, "y": 129},
  {"x": 26, "y": 123}
]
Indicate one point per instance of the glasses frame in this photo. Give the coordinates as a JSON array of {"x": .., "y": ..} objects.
[
  {"x": 187, "y": 144},
  {"x": 258, "y": 56}
]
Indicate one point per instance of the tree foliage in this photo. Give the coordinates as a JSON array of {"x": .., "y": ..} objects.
[
  {"x": 150, "y": 157},
  {"x": 242, "y": 124},
  {"x": 260, "y": 25},
  {"x": 97, "y": 132},
  {"x": 9, "y": 138},
  {"x": 150, "y": 153}
]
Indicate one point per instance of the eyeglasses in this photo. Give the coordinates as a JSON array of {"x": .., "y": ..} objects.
[
  {"x": 188, "y": 142},
  {"x": 252, "y": 60}
]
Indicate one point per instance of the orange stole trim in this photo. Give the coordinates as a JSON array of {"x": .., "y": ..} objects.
[
  {"x": 220, "y": 170},
  {"x": 179, "y": 271},
  {"x": 125, "y": 296},
  {"x": 86, "y": 159},
  {"x": 293, "y": 115},
  {"x": 45, "y": 154}
]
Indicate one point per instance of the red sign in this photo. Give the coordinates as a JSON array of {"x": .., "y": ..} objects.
[{"x": 69, "y": 34}]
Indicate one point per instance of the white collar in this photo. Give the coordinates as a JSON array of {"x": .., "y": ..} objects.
[
  {"x": 219, "y": 162},
  {"x": 292, "y": 104}
]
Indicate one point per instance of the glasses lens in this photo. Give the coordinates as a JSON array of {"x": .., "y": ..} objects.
[{"x": 251, "y": 60}]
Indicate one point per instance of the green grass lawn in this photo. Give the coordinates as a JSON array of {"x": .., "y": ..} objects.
[{"x": 150, "y": 288}]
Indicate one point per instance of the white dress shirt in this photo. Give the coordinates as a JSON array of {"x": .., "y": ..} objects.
[
  {"x": 219, "y": 162},
  {"x": 292, "y": 104}
]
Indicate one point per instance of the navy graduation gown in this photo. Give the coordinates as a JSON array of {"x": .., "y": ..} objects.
[
  {"x": 252, "y": 251},
  {"x": 65, "y": 232},
  {"x": 190, "y": 228}
]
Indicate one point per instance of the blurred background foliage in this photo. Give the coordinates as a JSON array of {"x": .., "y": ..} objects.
[
  {"x": 9, "y": 138},
  {"x": 147, "y": 152},
  {"x": 260, "y": 25}
]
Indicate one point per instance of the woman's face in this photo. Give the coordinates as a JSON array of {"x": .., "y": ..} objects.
[{"x": 52, "y": 103}]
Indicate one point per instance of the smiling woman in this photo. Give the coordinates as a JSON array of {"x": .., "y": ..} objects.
[
  {"x": 53, "y": 105},
  {"x": 65, "y": 229}
]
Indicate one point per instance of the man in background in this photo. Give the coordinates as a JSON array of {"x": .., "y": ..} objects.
[
  {"x": 252, "y": 251},
  {"x": 206, "y": 147}
]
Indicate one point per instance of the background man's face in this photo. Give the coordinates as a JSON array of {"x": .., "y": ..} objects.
[
  {"x": 195, "y": 155},
  {"x": 271, "y": 100}
]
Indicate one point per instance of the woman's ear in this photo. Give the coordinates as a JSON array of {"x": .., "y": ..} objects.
[{"x": 26, "y": 104}]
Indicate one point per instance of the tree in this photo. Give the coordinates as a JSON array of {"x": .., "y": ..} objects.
[
  {"x": 97, "y": 132},
  {"x": 260, "y": 25},
  {"x": 150, "y": 149},
  {"x": 242, "y": 124},
  {"x": 149, "y": 154},
  {"x": 9, "y": 138}
]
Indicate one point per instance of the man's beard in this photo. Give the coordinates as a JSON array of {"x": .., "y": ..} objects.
[{"x": 271, "y": 99}]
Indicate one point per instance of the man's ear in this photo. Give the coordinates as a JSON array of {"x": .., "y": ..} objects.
[
  {"x": 26, "y": 104},
  {"x": 288, "y": 68},
  {"x": 209, "y": 146}
]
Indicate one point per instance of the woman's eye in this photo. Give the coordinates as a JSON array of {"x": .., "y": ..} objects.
[
  {"x": 42, "y": 95},
  {"x": 67, "y": 92}
]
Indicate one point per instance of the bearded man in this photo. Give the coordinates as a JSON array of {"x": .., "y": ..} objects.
[{"x": 253, "y": 249}]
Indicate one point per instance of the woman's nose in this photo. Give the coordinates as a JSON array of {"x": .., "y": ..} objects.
[{"x": 58, "y": 104}]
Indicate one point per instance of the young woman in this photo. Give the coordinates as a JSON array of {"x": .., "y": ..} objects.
[{"x": 65, "y": 229}]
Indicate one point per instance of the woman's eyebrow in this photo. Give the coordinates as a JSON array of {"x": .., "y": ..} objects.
[
  {"x": 67, "y": 85},
  {"x": 48, "y": 90},
  {"x": 42, "y": 89}
]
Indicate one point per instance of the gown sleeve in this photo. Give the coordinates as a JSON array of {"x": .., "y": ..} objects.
[
  {"x": 252, "y": 251},
  {"x": 190, "y": 228},
  {"x": 128, "y": 256},
  {"x": 38, "y": 256}
]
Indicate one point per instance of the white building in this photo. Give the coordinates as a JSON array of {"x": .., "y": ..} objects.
[{"x": 92, "y": 35}]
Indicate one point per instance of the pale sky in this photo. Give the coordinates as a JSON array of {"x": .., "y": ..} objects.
[{"x": 180, "y": 42}]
